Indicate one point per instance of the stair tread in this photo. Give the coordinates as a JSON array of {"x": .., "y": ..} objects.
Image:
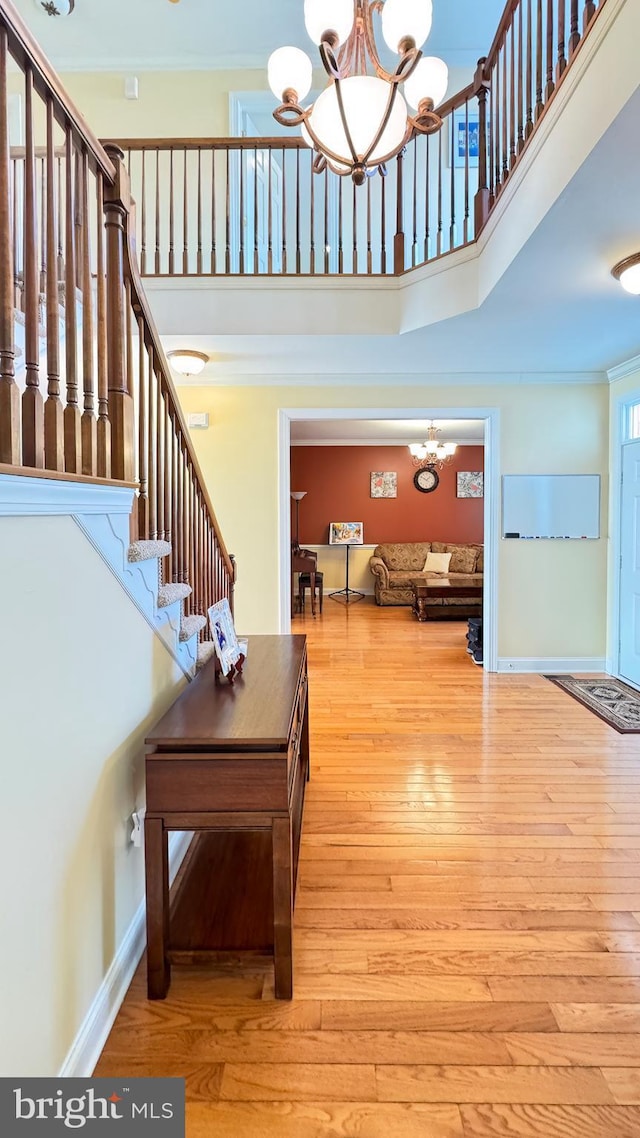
[
  {"x": 169, "y": 594},
  {"x": 205, "y": 651},
  {"x": 147, "y": 550},
  {"x": 191, "y": 625}
]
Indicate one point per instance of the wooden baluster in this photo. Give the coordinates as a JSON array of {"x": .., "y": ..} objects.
[
  {"x": 18, "y": 282},
  {"x": 42, "y": 285},
  {"x": 439, "y": 235},
  {"x": 383, "y": 240},
  {"x": 227, "y": 259},
  {"x": 588, "y": 14},
  {"x": 198, "y": 556},
  {"x": 157, "y": 263},
  {"x": 283, "y": 268},
  {"x": 512, "y": 99},
  {"x": 398, "y": 241},
  {"x": 465, "y": 228},
  {"x": 312, "y": 242},
  {"x": 168, "y": 469},
  {"x": 326, "y": 219},
  {"x": 492, "y": 139},
  {"x": 414, "y": 246},
  {"x": 369, "y": 249},
  {"x": 550, "y": 87},
  {"x": 574, "y": 30},
  {"x": 184, "y": 519},
  {"x": 427, "y": 198},
  {"x": 483, "y": 195},
  {"x": 60, "y": 221},
  {"x": 143, "y": 492},
  {"x": 151, "y": 447},
  {"x": 256, "y": 259},
  {"x": 72, "y": 421},
  {"x": 185, "y": 216},
  {"x": 561, "y": 65},
  {"x": 159, "y": 445},
  {"x": 143, "y": 216},
  {"x": 53, "y": 412},
  {"x": 214, "y": 266},
  {"x": 505, "y": 116},
  {"x": 32, "y": 403},
  {"x": 180, "y": 534},
  {"x": 175, "y": 525},
  {"x": 199, "y": 251},
  {"x": 241, "y": 217},
  {"x": 172, "y": 219},
  {"x": 539, "y": 102},
  {"x": 270, "y": 219},
  {"x": 452, "y": 187},
  {"x": 520, "y": 143},
  {"x": 89, "y": 424},
  {"x": 298, "y": 254},
  {"x": 77, "y": 217},
  {"x": 104, "y": 424},
  {"x": 528, "y": 130},
  {"x": 354, "y": 228},
  {"x": 340, "y": 227},
  {"x": 10, "y": 440},
  {"x": 498, "y": 131},
  {"x": 117, "y": 199}
]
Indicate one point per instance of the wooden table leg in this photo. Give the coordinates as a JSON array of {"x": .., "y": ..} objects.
[
  {"x": 156, "y": 859},
  {"x": 282, "y": 908}
]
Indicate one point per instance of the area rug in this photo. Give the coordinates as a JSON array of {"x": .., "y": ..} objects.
[{"x": 611, "y": 700}]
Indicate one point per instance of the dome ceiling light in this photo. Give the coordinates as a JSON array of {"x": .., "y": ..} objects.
[
  {"x": 56, "y": 7},
  {"x": 628, "y": 273},
  {"x": 187, "y": 362},
  {"x": 361, "y": 119}
]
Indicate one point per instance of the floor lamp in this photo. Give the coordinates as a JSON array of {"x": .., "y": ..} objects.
[{"x": 297, "y": 496}]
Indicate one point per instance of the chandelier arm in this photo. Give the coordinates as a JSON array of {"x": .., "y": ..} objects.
[
  {"x": 368, "y": 8},
  {"x": 393, "y": 90},
  {"x": 329, "y": 61},
  {"x": 324, "y": 150},
  {"x": 290, "y": 114},
  {"x": 345, "y": 124}
]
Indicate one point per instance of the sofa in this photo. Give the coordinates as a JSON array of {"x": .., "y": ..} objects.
[{"x": 395, "y": 565}]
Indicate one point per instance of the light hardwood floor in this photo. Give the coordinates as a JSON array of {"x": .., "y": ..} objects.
[{"x": 467, "y": 952}]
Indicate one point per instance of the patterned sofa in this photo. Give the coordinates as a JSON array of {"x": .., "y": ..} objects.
[{"x": 396, "y": 565}]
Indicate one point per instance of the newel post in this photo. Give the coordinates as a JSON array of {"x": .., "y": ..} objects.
[
  {"x": 481, "y": 203},
  {"x": 117, "y": 199}
]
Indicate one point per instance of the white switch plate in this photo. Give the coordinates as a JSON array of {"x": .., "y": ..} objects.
[{"x": 198, "y": 421}]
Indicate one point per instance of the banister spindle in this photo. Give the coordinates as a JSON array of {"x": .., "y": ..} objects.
[
  {"x": 104, "y": 424},
  {"x": 143, "y": 492},
  {"x": 528, "y": 130},
  {"x": 151, "y": 447},
  {"x": 72, "y": 422},
  {"x": 117, "y": 202},
  {"x": 185, "y": 215},
  {"x": 561, "y": 65},
  {"x": 32, "y": 402},
  {"x": 10, "y": 443},
  {"x": 398, "y": 241},
  {"x": 89, "y": 424},
  {"x": 143, "y": 216},
  {"x": 157, "y": 263},
  {"x": 512, "y": 98},
  {"x": 520, "y": 109},
  {"x": 588, "y": 14},
  {"x": 574, "y": 28},
  {"x": 53, "y": 410},
  {"x": 481, "y": 203},
  {"x": 550, "y": 87},
  {"x": 539, "y": 101},
  {"x": 241, "y": 218}
]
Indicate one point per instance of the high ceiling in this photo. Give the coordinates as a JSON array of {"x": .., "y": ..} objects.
[{"x": 116, "y": 35}]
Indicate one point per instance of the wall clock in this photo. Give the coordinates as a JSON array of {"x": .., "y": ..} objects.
[{"x": 426, "y": 480}]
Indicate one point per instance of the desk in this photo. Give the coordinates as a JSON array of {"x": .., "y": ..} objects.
[{"x": 228, "y": 759}]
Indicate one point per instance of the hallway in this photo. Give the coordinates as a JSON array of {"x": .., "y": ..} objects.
[{"x": 467, "y": 949}]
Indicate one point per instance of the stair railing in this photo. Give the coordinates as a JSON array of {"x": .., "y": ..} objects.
[{"x": 85, "y": 390}]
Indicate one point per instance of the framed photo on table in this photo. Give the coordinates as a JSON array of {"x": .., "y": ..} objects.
[
  {"x": 346, "y": 533},
  {"x": 227, "y": 647}
]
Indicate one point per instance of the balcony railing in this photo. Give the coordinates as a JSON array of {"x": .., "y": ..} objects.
[{"x": 252, "y": 206}]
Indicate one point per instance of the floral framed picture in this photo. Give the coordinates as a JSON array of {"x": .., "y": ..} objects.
[
  {"x": 470, "y": 484},
  {"x": 346, "y": 533},
  {"x": 228, "y": 650},
  {"x": 384, "y": 484}
]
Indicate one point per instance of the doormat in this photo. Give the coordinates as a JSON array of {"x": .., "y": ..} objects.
[{"x": 610, "y": 700}]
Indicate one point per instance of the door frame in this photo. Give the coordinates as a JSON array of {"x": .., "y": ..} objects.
[
  {"x": 491, "y": 418},
  {"x": 620, "y": 436}
]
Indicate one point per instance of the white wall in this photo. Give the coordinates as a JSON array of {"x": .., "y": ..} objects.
[{"x": 82, "y": 677}]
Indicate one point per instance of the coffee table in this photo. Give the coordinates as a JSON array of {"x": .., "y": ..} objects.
[{"x": 434, "y": 588}]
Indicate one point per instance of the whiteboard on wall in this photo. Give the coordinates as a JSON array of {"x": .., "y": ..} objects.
[{"x": 551, "y": 506}]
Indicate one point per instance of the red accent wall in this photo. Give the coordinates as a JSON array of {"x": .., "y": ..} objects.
[{"x": 338, "y": 485}]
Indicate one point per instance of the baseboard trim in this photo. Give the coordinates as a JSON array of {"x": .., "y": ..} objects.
[
  {"x": 554, "y": 665},
  {"x": 85, "y": 1050}
]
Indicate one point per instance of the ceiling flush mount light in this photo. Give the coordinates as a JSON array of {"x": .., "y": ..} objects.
[
  {"x": 361, "y": 119},
  {"x": 432, "y": 452},
  {"x": 56, "y": 7},
  {"x": 628, "y": 273},
  {"x": 186, "y": 362}
]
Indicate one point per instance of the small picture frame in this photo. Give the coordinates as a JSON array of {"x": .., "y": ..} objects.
[
  {"x": 228, "y": 650},
  {"x": 384, "y": 484},
  {"x": 346, "y": 533},
  {"x": 466, "y": 139},
  {"x": 470, "y": 484}
]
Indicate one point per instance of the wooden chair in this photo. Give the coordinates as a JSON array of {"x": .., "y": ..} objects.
[{"x": 304, "y": 583}]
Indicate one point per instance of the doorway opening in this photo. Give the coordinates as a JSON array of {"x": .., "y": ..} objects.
[{"x": 626, "y": 545}]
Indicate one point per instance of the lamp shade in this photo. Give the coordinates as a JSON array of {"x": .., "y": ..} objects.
[
  {"x": 630, "y": 279},
  {"x": 322, "y": 16},
  {"x": 365, "y": 101},
  {"x": 298, "y": 495},
  {"x": 290, "y": 69},
  {"x": 429, "y": 81},
  {"x": 402, "y": 19},
  {"x": 186, "y": 362}
]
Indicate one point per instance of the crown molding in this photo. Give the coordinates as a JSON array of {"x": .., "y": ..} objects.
[
  {"x": 398, "y": 443},
  {"x": 404, "y": 379},
  {"x": 621, "y": 371}
]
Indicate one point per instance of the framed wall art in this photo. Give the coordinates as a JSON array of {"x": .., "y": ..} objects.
[
  {"x": 346, "y": 533},
  {"x": 384, "y": 484},
  {"x": 470, "y": 484}
]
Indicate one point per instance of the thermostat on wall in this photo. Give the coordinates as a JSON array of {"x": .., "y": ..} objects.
[{"x": 198, "y": 421}]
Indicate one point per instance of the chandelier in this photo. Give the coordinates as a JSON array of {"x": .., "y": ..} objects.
[
  {"x": 432, "y": 452},
  {"x": 361, "y": 119}
]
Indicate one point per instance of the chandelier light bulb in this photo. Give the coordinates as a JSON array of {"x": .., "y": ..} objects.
[
  {"x": 417, "y": 450},
  {"x": 290, "y": 69},
  {"x": 450, "y": 449},
  {"x": 429, "y": 81},
  {"x": 406, "y": 19},
  {"x": 322, "y": 16},
  {"x": 365, "y": 100}
]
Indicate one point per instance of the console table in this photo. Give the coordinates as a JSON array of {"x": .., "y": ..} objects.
[
  {"x": 228, "y": 761},
  {"x": 425, "y": 591}
]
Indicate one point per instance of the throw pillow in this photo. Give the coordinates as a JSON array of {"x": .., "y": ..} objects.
[
  {"x": 437, "y": 563},
  {"x": 463, "y": 558},
  {"x": 438, "y": 547}
]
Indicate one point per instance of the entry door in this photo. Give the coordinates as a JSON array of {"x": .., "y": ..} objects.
[{"x": 630, "y": 565}]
